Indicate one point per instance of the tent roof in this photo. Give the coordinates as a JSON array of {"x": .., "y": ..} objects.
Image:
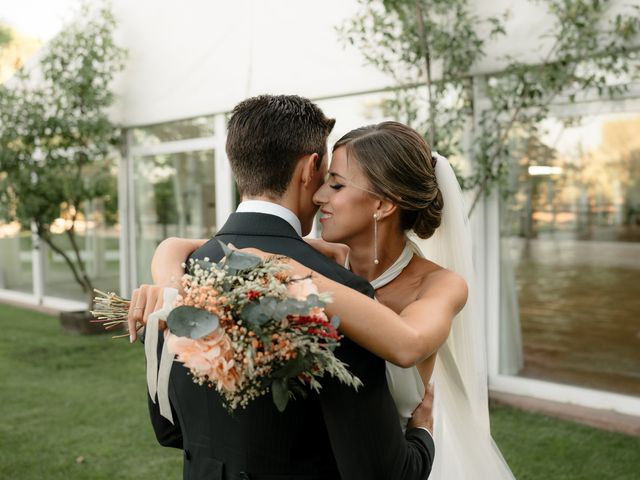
[{"x": 203, "y": 56}]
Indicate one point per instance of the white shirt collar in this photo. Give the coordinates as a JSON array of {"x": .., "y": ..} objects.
[{"x": 262, "y": 206}]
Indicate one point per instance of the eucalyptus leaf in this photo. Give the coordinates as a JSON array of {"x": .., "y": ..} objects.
[
  {"x": 292, "y": 306},
  {"x": 239, "y": 260},
  {"x": 335, "y": 321},
  {"x": 313, "y": 300},
  {"x": 257, "y": 314},
  {"x": 280, "y": 393},
  {"x": 225, "y": 248},
  {"x": 297, "y": 388},
  {"x": 242, "y": 261},
  {"x": 191, "y": 322}
]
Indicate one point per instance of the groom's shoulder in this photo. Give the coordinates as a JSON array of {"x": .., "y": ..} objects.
[
  {"x": 211, "y": 249},
  {"x": 312, "y": 258}
]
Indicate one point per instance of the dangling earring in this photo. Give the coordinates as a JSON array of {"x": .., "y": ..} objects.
[{"x": 375, "y": 239}]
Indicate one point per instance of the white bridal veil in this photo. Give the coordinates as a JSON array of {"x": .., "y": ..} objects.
[{"x": 464, "y": 447}]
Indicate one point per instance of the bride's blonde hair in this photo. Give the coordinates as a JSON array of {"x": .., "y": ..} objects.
[{"x": 399, "y": 166}]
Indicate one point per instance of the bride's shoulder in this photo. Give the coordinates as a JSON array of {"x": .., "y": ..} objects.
[{"x": 435, "y": 279}]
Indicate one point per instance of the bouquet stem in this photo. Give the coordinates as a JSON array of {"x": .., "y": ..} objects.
[{"x": 111, "y": 311}]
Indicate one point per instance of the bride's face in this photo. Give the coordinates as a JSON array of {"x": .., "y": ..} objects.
[{"x": 346, "y": 203}]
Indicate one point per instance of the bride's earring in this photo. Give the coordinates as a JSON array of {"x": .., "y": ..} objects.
[{"x": 375, "y": 239}]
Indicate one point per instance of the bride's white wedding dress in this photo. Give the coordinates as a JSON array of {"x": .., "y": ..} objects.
[{"x": 464, "y": 447}]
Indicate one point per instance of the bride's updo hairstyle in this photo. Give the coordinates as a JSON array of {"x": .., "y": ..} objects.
[{"x": 399, "y": 166}]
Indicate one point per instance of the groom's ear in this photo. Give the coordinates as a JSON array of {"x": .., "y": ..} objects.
[{"x": 309, "y": 169}]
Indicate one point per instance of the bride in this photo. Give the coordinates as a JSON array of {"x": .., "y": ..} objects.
[{"x": 393, "y": 213}]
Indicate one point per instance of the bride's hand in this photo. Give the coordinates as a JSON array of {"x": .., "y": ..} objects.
[
  {"x": 145, "y": 300},
  {"x": 422, "y": 416},
  {"x": 251, "y": 250},
  {"x": 259, "y": 253}
]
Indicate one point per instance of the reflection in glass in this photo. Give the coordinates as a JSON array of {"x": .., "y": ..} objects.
[
  {"x": 354, "y": 112},
  {"x": 167, "y": 132},
  {"x": 175, "y": 196},
  {"x": 571, "y": 256},
  {"x": 16, "y": 259},
  {"x": 98, "y": 239}
]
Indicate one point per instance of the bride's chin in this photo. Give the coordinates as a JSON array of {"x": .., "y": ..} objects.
[
  {"x": 332, "y": 239},
  {"x": 327, "y": 237}
]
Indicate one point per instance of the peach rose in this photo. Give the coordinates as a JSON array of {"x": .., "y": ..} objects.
[
  {"x": 211, "y": 357},
  {"x": 301, "y": 289}
]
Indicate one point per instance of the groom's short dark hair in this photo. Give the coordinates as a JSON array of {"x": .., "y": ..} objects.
[{"x": 268, "y": 134}]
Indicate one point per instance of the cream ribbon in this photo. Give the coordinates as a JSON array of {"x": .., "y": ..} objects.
[{"x": 158, "y": 378}]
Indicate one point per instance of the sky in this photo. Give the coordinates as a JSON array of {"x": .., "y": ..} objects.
[{"x": 41, "y": 19}]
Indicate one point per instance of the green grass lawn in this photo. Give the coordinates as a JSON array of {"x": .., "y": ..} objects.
[{"x": 74, "y": 407}]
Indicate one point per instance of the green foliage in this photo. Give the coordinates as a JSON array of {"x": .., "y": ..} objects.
[
  {"x": 272, "y": 309},
  {"x": 537, "y": 447},
  {"x": 280, "y": 393},
  {"x": 413, "y": 40},
  {"x": 76, "y": 403},
  {"x": 235, "y": 261},
  {"x": 416, "y": 41},
  {"x": 164, "y": 197},
  {"x": 5, "y": 35},
  {"x": 192, "y": 322},
  {"x": 56, "y": 140},
  {"x": 588, "y": 53}
]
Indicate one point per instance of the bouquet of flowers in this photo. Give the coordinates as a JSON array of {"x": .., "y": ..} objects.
[{"x": 246, "y": 327}]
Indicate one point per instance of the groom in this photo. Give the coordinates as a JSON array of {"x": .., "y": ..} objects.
[{"x": 277, "y": 150}]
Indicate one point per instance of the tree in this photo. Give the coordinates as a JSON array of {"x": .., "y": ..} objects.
[
  {"x": 55, "y": 135},
  {"x": 431, "y": 46},
  {"x": 5, "y": 35}
]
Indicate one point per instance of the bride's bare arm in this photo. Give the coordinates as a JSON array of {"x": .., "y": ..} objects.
[
  {"x": 403, "y": 339},
  {"x": 166, "y": 264}
]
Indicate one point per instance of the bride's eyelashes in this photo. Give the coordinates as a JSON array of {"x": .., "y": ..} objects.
[{"x": 336, "y": 186}]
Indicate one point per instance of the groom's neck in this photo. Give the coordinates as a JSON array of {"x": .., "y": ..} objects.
[{"x": 283, "y": 201}]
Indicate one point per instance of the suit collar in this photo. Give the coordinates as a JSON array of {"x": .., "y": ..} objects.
[
  {"x": 271, "y": 208},
  {"x": 259, "y": 224}
]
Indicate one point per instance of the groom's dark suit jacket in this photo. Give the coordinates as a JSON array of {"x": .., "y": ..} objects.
[{"x": 339, "y": 433}]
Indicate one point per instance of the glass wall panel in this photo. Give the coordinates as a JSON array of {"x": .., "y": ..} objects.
[
  {"x": 570, "y": 262},
  {"x": 16, "y": 261},
  {"x": 167, "y": 132},
  {"x": 174, "y": 196},
  {"x": 98, "y": 241},
  {"x": 355, "y": 111}
]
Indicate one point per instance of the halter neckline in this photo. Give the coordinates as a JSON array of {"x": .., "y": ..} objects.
[{"x": 391, "y": 273}]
